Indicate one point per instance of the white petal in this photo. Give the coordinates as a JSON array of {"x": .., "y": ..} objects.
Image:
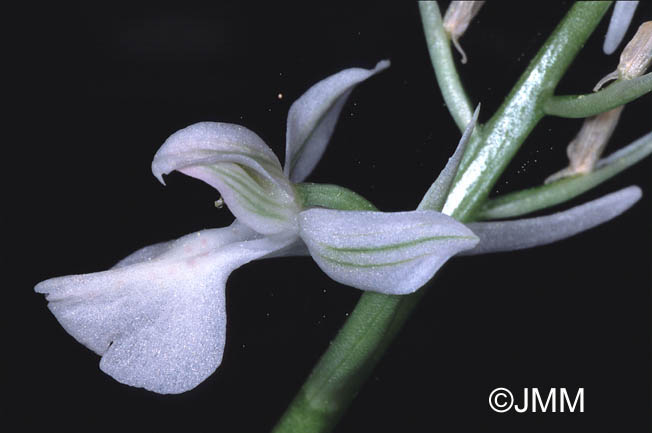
[
  {"x": 391, "y": 253},
  {"x": 436, "y": 195},
  {"x": 239, "y": 164},
  {"x": 160, "y": 323},
  {"x": 620, "y": 19},
  {"x": 532, "y": 232},
  {"x": 297, "y": 248},
  {"x": 313, "y": 116},
  {"x": 145, "y": 254},
  {"x": 186, "y": 245}
]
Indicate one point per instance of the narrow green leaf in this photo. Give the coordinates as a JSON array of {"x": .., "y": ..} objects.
[
  {"x": 442, "y": 60},
  {"x": 615, "y": 95}
]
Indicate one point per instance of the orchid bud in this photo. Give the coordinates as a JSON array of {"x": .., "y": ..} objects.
[
  {"x": 587, "y": 147},
  {"x": 457, "y": 19},
  {"x": 637, "y": 55},
  {"x": 635, "y": 58}
]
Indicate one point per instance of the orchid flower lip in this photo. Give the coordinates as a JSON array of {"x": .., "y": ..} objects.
[{"x": 158, "y": 318}]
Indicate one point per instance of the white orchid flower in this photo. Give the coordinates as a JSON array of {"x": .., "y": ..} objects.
[{"x": 158, "y": 317}]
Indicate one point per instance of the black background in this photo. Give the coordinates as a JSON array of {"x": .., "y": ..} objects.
[{"x": 102, "y": 86}]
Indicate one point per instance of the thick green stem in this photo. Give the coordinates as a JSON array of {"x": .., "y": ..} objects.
[
  {"x": 488, "y": 155},
  {"x": 352, "y": 355},
  {"x": 617, "y": 94},
  {"x": 442, "y": 60}
]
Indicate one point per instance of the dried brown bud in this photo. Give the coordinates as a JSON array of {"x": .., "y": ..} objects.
[
  {"x": 587, "y": 147},
  {"x": 635, "y": 58},
  {"x": 457, "y": 19},
  {"x": 637, "y": 55}
]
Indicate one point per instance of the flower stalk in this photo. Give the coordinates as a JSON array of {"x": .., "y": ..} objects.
[
  {"x": 442, "y": 60},
  {"x": 457, "y": 19},
  {"x": 617, "y": 94}
]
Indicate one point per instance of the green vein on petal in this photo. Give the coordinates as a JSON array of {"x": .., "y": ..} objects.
[{"x": 394, "y": 246}]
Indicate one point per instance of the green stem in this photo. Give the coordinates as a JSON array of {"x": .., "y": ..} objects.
[
  {"x": 540, "y": 197},
  {"x": 442, "y": 60},
  {"x": 343, "y": 369},
  {"x": 617, "y": 94},
  {"x": 359, "y": 345},
  {"x": 487, "y": 156}
]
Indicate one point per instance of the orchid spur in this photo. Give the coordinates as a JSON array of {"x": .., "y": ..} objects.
[{"x": 158, "y": 317}]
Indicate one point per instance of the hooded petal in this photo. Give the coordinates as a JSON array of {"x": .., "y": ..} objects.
[
  {"x": 237, "y": 163},
  {"x": 620, "y": 19},
  {"x": 158, "y": 318},
  {"x": 391, "y": 253},
  {"x": 313, "y": 116},
  {"x": 531, "y": 232}
]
